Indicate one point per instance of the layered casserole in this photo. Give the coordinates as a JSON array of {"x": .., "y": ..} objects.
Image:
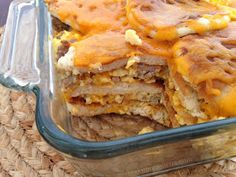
[{"x": 172, "y": 62}]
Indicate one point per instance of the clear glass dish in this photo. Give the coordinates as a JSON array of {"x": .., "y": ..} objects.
[{"x": 26, "y": 61}]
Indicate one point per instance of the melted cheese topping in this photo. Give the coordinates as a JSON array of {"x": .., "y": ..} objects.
[
  {"x": 226, "y": 5},
  {"x": 149, "y": 17},
  {"x": 208, "y": 64},
  {"x": 226, "y": 102},
  {"x": 89, "y": 15},
  {"x": 152, "y": 18},
  {"x": 102, "y": 49}
]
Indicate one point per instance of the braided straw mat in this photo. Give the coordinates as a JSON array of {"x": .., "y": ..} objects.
[{"x": 24, "y": 154}]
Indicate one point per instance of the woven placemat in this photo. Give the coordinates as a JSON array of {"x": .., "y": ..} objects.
[{"x": 24, "y": 154}]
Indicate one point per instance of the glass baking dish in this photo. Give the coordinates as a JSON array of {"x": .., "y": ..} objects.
[{"x": 26, "y": 61}]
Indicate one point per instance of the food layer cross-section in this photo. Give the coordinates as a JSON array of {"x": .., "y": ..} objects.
[{"x": 170, "y": 61}]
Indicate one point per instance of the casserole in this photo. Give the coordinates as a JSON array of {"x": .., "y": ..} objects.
[
  {"x": 109, "y": 68},
  {"x": 141, "y": 155}
]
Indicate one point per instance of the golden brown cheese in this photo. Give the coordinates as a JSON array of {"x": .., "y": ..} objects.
[
  {"x": 209, "y": 64},
  {"x": 171, "y": 19},
  {"x": 107, "y": 47},
  {"x": 89, "y": 15}
]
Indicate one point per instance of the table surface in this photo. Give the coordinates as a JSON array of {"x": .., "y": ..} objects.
[{"x": 4, "y": 4}]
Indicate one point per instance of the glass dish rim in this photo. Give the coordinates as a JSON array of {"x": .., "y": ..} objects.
[
  {"x": 107, "y": 149},
  {"x": 101, "y": 150}
]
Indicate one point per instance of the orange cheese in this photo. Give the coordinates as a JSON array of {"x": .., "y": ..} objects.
[
  {"x": 164, "y": 20},
  {"x": 89, "y": 15},
  {"x": 227, "y": 102},
  {"x": 182, "y": 66},
  {"x": 207, "y": 22},
  {"x": 107, "y": 47},
  {"x": 207, "y": 63},
  {"x": 101, "y": 48}
]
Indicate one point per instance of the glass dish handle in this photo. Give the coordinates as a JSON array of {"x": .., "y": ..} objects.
[{"x": 18, "y": 68}]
